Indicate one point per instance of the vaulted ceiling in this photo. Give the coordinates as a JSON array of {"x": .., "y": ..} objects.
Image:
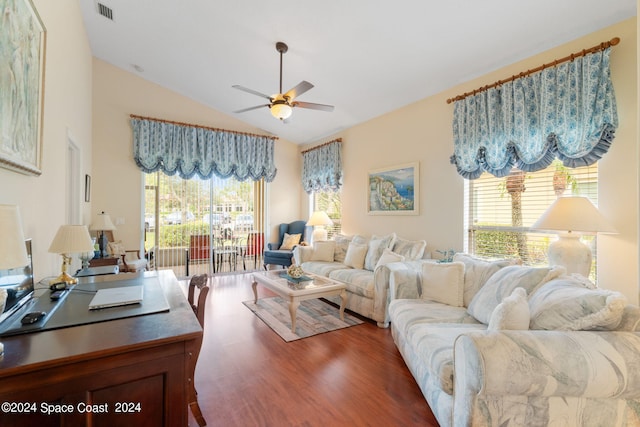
[{"x": 365, "y": 57}]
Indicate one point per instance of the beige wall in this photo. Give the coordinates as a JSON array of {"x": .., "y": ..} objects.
[
  {"x": 117, "y": 181},
  {"x": 422, "y": 132},
  {"x": 67, "y": 111}
]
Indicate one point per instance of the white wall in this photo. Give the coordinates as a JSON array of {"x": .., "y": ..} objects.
[
  {"x": 422, "y": 132},
  {"x": 67, "y": 110}
]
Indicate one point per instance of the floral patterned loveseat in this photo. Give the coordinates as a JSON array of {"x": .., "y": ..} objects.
[{"x": 505, "y": 345}]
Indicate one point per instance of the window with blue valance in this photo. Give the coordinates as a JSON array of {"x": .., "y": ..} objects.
[
  {"x": 322, "y": 167},
  {"x": 193, "y": 150},
  {"x": 566, "y": 111}
]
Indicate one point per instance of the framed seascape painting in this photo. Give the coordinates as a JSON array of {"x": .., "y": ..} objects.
[
  {"x": 393, "y": 190},
  {"x": 22, "y": 52}
]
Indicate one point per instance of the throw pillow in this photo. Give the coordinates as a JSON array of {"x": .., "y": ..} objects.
[
  {"x": 377, "y": 245},
  {"x": 512, "y": 313},
  {"x": 355, "y": 255},
  {"x": 503, "y": 282},
  {"x": 410, "y": 250},
  {"x": 443, "y": 282},
  {"x": 566, "y": 304},
  {"x": 290, "y": 241},
  {"x": 342, "y": 244},
  {"x": 116, "y": 248},
  {"x": 323, "y": 251},
  {"x": 389, "y": 256},
  {"x": 477, "y": 272}
]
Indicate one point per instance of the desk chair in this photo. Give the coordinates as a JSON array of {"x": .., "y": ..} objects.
[{"x": 199, "y": 282}]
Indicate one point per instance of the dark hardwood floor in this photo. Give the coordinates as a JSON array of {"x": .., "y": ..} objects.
[{"x": 248, "y": 376}]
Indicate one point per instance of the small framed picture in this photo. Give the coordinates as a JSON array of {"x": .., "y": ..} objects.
[
  {"x": 393, "y": 190},
  {"x": 87, "y": 188}
]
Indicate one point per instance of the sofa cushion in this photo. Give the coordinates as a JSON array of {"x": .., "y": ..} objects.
[
  {"x": 433, "y": 351},
  {"x": 477, "y": 272},
  {"x": 359, "y": 282},
  {"x": 322, "y": 268},
  {"x": 404, "y": 313},
  {"x": 512, "y": 313},
  {"x": 342, "y": 244},
  {"x": 356, "y": 254},
  {"x": 443, "y": 282},
  {"x": 409, "y": 249},
  {"x": 377, "y": 245},
  {"x": 323, "y": 251},
  {"x": 504, "y": 281},
  {"x": 387, "y": 257},
  {"x": 565, "y": 304}
]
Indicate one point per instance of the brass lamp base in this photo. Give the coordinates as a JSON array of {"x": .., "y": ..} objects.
[{"x": 64, "y": 277}]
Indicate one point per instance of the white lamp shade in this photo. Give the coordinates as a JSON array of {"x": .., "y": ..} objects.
[
  {"x": 573, "y": 214},
  {"x": 71, "y": 239},
  {"x": 102, "y": 222},
  {"x": 319, "y": 218},
  {"x": 13, "y": 252}
]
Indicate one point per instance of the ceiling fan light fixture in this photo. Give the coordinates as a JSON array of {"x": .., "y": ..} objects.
[{"x": 281, "y": 110}]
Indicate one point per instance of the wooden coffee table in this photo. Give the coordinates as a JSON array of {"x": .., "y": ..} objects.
[{"x": 294, "y": 291}]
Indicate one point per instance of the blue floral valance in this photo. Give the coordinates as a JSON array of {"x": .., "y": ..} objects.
[
  {"x": 189, "y": 150},
  {"x": 322, "y": 167},
  {"x": 566, "y": 111}
]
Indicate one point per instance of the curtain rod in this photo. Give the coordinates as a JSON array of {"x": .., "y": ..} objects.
[
  {"x": 321, "y": 145},
  {"x": 133, "y": 116},
  {"x": 602, "y": 46}
]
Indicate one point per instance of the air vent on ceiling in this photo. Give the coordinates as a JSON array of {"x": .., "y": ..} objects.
[{"x": 105, "y": 11}]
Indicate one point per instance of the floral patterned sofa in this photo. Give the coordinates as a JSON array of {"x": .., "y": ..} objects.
[
  {"x": 497, "y": 344},
  {"x": 360, "y": 262}
]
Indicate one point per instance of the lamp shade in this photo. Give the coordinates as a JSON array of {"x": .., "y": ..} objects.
[
  {"x": 102, "y": 222},
  {"x": 71, "y": 239},
  {"x": 573, "y": 214},
  {"x": 13, "y": 252},
  {"x": 319, "y": 218}
]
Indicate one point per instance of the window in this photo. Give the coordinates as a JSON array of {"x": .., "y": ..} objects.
[
  {"x": 329, "y": 201},
  {"x": 500, "y": 211}
]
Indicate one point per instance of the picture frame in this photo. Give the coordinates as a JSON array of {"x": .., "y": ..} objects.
[
  {"x": 22, "y": 60},
  {"x": 87, "y": 188},
  {"x": 394, "y": 190}
]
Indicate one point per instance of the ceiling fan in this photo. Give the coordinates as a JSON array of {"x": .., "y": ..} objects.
[{"x": 282, "y": 104}]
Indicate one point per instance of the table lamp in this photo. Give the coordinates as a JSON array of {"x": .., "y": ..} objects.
[
  {"x": 70, "y": 239},
  {"x": 102, "y": 222},
  {"x": 13, "y": 252},
  {"x": 319, "y": 220},
  {"x": 572, "y": 217}
]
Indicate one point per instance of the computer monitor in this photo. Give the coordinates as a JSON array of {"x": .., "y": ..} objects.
[{"x": 18, "y": 282}]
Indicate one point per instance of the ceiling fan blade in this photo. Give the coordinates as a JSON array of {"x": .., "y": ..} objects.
[
  {"x": 254, "y": 92},
  {"x": 251, "y": 108},
  {"x": 301, "y": 88},
  {"x": 313, "y": 106}
]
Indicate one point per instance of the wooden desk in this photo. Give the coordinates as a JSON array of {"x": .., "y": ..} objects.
[{"x": 132, "y": 371}]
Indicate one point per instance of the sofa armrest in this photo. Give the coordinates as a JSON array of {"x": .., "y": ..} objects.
[
  {"x": 272, "y": 246},
  {"x": 514, "y": 366},
  {"x": 302, "y": 254}
]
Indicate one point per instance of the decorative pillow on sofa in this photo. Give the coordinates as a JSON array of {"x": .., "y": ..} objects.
[
  {"x": 566, "y": 304},
  {"x": 355, "y": 255},
  {"x": 323, "y": 251},
  {"x": 116, "y": 248},
  {"x": 512, "y": 313},
  {"x": 410, "y": 250},
  {"x": 377, "y": 245},
  {"x": 443, "y": 282},
  {"x": 290, "y": 241},
  {"x": 387, "y": 257},
  {"x": 342, "y": 244},
  {"x": 503, "y": 282},
  {"x": 477, "y": 271}
]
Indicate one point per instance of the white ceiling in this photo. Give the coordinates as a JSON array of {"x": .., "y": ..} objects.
[{"x": 365, "y": 57}]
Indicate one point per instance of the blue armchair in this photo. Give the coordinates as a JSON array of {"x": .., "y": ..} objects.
[{"x": 276, "y": 256}]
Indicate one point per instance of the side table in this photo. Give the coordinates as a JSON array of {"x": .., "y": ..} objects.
[{"x": 101, "y": 262}]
